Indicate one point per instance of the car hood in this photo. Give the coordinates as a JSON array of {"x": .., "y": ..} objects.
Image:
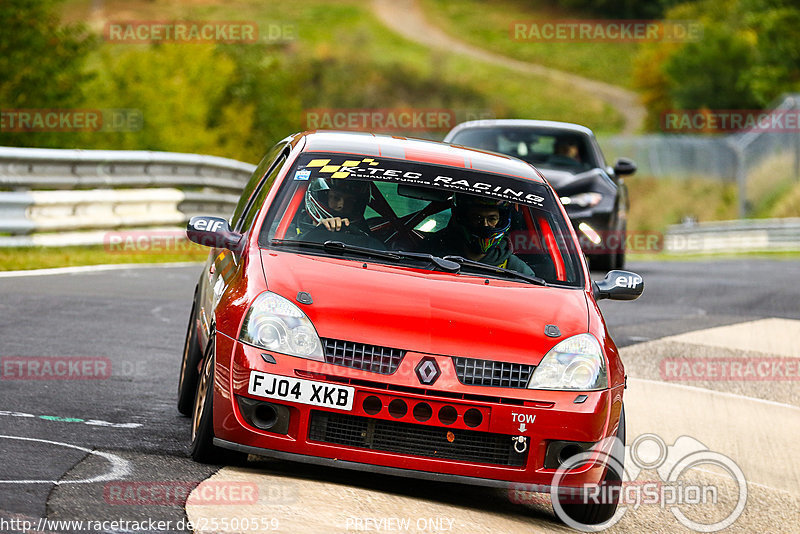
[
  {"x": 557, "y": 179},
  {"x": 425, "y": 311}
]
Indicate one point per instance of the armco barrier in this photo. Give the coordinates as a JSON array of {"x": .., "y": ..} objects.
[
  {"x": 747, "y": 235},
  {"x": 66, "y": 197},
  {"x": 53, "y": 197}
]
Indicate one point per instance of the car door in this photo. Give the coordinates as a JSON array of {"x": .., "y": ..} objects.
[{"x": 223, "y": 264}]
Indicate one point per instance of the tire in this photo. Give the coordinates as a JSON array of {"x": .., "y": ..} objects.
[
  {"x": 596, "y": 513},
  {"x": 203, "y": 449},
  {"x": 187, "y": 381}
]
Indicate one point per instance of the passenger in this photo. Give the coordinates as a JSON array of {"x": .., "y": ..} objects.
[{"x": 478, "y": 231}]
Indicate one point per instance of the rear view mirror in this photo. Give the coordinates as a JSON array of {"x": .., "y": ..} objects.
[
  {"x": 619, "y": 285},
  {"x": 624, "y": 166},
  {"x": 423, "y": 193},
  {"x": 212, "y": 232}
]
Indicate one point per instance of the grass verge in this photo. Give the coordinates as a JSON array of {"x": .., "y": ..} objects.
[
  {"x": 25, "y": 258},
  {"x": 488, "y": 25},
  {"x": 787, "y": 255},
  {"x": 658, "y": 203}
]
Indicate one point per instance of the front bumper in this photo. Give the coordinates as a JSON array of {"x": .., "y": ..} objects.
[{"x": 480, "y": 444}]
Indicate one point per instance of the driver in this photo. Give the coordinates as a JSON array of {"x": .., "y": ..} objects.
[
  {"x": 338, "y": 205},
  {"x": 568, "y": 148},
  {"x": 478, "y": 231}
]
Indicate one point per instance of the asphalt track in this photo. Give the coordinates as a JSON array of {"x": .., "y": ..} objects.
[{"x": 74, "y": 449}]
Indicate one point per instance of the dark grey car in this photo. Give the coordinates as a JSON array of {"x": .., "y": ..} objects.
[{"x": 593, "y": 193}]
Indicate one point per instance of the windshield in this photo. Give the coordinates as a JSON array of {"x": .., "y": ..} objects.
[
  {"x": 542, "y": 147},
  {"x": 385, "y": 204}
]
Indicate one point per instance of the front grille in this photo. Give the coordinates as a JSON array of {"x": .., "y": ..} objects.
[
  {"x": 472, "y": 372},
  {"x": 383, "y": 360},
  {"x": 416, "y": 440}
]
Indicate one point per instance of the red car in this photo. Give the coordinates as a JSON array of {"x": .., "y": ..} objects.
[{"x": 403, "y": 307}]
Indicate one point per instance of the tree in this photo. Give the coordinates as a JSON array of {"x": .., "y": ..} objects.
[
  {"x": 41, "y": 62},
  {"x": 748, "y": 56}
]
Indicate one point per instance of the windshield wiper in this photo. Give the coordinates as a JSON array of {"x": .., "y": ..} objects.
[
  {"x": 495, "y": 269},
  {"x": 443, "y": 263},
  {"x": 339, "y": 247}
]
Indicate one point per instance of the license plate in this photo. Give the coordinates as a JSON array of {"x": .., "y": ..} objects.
[{"x": 301, "y": 391}]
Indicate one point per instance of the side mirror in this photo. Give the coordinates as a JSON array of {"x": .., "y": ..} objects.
[
  {"x": 619, "y": 285},
  {"x": 624, "y": 166},
  {"x": 212, "y": 232}
]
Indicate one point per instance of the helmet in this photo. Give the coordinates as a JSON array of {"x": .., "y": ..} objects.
[
  {"x": 481, "y": 238},
  {"x": 318, "y": 204}
]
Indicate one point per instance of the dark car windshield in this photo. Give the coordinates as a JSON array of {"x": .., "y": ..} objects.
[
  {"x": 386, "y": 204},
  {"x": 542, "y": 147}
]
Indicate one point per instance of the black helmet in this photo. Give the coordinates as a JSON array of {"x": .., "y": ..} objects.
[
  {"x": 481, "y": 238},
  {"x": 318, "y": 190}
]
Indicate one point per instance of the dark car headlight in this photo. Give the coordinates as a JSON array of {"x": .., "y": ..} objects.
[
  {"x": 582, "y": 200},
  {"x": 277, "y": 324}
]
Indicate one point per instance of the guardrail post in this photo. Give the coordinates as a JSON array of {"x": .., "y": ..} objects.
[
  {"x": 796, "y": 109},
  {"x": 740, "y": 171}
]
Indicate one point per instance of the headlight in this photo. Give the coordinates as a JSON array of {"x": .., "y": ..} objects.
[
  {"x": 582, "y": 200},
  {"x": 575, "y": 363},
  {"x": 275, "y": 323}
]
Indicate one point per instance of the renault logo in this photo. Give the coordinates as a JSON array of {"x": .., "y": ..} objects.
[{"x": 427, "y": 371}]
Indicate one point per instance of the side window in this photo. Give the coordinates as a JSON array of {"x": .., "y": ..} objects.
[
  {"x": 263, "y": 166},
  {"x": 260, "y": 195}
]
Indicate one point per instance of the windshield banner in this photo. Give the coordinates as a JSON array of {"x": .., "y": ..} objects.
[{"x": 501, "y": 187}]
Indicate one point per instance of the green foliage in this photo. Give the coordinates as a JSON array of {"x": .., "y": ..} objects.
[
  {"x": 178, "y": 90},
  {"x": 626, "y": 9},
  {"x": 748, "y": 56},
  {"x": 710, "y": 73},
  {"x": 41, "y": 62},
  {"x": 658, "y": 203},
  {"x": 236, "y": 100}
]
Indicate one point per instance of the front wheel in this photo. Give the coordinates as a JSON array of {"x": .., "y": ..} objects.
[
  {"x": 203, "y": 449},
  {"x": 594, "y": 513},
  {"x": 187, "y": 382}
]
